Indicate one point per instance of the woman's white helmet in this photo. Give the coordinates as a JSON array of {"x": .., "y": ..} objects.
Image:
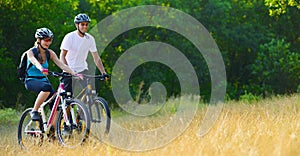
[{"x": 43, "y": 33}]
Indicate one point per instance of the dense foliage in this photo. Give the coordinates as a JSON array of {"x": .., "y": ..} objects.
[{"x": 259, "y": 42}]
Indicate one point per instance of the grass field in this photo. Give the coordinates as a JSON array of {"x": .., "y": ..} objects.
[{"x": 268, "y": 127}]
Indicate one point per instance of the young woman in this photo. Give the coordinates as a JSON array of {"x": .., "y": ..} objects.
[{"x": 36, "y": 80}]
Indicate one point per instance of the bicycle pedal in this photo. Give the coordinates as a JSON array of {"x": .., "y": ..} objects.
[{"x": 97, "y": 121}]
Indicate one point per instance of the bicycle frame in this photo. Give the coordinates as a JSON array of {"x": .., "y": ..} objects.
[
  {"x": 88, "y": 93},
  {"x": 59, "y": 97}
]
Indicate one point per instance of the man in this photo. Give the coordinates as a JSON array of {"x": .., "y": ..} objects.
[{"x": 75, "y": 48}]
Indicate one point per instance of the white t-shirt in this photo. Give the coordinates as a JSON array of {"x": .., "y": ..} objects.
[{"x": 78, "y": 48}]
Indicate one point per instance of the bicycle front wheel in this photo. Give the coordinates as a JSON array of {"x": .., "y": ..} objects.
[
  {"x": 78, "y": 129},
  {"x": 100, "y": 117},
  {"x": 29, "y": 132}
]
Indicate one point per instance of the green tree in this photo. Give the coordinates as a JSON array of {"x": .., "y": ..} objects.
[
  {"x": 278, "y": 7},
  {"x": 242, "y": 29},
  {"x": 20, "y": 19},
  {"x": 276, "y": 68}
]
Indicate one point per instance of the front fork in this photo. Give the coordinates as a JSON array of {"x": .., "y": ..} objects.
[
  {"x": 67, "y": 109},
  {"x": 95, "y": 116}
]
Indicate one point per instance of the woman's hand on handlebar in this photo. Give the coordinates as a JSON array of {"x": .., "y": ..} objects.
[{"x": 44, "y": 71}]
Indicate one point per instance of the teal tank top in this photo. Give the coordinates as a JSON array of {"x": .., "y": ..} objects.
[{"x": 33, "y": 71}]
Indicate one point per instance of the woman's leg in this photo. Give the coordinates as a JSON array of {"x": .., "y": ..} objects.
[
  {"x": 42, "y": 96},
  {"x": 43, "y": 88}
]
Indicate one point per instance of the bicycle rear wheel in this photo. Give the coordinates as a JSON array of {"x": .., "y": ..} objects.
[
  {"x": 29, "y": 132},
  {"x": 76, "y": 133},
  {"x": 100, "y": 117}
]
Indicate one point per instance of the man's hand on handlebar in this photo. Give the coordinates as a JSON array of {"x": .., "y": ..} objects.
[
  {"x": 105, "y": 76},
  {"x": 81, "y": 76}
]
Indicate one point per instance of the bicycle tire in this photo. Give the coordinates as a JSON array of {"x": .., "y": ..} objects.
[
  {"x": 101, "y": 117},
  {"x": 78, "y": 132},
  {"x": 30, "y": 132}
]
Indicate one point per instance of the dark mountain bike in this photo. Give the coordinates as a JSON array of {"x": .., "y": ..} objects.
[{"x": 98, "y": 107}]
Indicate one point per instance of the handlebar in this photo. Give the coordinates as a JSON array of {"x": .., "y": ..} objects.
[
  {"x": 64, "y": 74},
  {"x": 98, "y": 77},
  {"x": 59, "y": 74}
]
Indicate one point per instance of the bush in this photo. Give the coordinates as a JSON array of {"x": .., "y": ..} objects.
[
  {"x": 9, "y": 116},
  {"x": 249, "y": 98},
  {"x": 276, "y": 68}
]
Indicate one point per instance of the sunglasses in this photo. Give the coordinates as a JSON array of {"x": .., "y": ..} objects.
[
  {"x": 48, "y": 39},
  {"x": 84, "y": 24}
]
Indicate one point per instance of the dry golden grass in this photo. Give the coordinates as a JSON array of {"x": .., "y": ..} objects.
[{"x": 269, "y": 127}]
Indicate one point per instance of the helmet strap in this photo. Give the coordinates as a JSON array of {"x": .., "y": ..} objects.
[
  {"x": 39, "y": 44},
  {"x": 83, "y": 34}
]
